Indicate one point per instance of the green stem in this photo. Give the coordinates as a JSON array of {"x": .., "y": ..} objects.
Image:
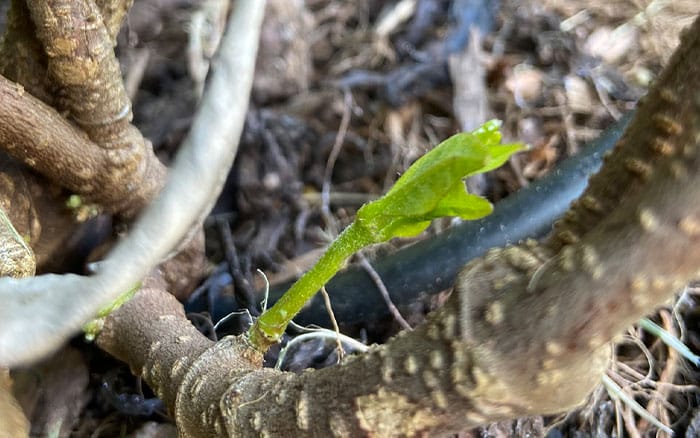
[{"x": 268, "y": 329}]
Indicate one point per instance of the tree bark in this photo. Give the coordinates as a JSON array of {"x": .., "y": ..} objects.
[
  {"x": 40, "y": 313},
  {"x": 79, "y": 47},
  {"x": 37, "y": 135},
  {"x": 526, "y": 330}
]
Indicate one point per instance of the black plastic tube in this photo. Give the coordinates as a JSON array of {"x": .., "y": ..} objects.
[{"x": 430, "y": 266}]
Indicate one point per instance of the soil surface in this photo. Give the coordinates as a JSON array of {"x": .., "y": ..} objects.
[{"x": 347, "y": 95}]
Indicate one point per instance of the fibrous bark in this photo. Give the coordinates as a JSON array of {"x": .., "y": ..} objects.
[{"x": 526, "y": 330}]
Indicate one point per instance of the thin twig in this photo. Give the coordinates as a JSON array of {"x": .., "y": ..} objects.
[
  {"x": 367, "y": 266},
  {"x": 245, "y": 295},
  {"x": 617, "y": 392},
  {"x": 329, "y": 308},
  {"x": 670, "y": 370},
  {"x": 330, "y": 164}
]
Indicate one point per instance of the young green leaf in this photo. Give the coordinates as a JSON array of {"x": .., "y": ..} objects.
[{"x": 432, "y": 187}]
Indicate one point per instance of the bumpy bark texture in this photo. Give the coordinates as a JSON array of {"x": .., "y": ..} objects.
[
  {"x": 66, "y": 61},
  {"x": 113, "y": 14},
  {"x": 61, "y": 52},
  {"x": 16, "y": 260},
  {"x": 115, "y": 165},
  {"x": 36, "y": 211},
  {"x": 174, "y": 354},
  {"x": 40, "y": 313},
  {"x": 79, "y": 47},
  {"x": 526, "y": 330}
]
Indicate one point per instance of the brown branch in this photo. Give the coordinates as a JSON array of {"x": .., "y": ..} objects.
[
  {"x": 82, "y": 65},
  {"x": 113, "y": 14},
  {"x": 85, "y": 71},
  {"x": 526, "y": 331},
  {"x": 37, "y": 135},
  {"x": 36, "y": 211},
  {"x": 664, "y": 141},
  {"x": 22, "y": 57},
  {"x": 85, "y": 74},
  {"x": 632, "y": 257},
  {"x": 40, "y": 313},
  {"x": 123, "y": 179},
  {"x": 168, "y": 351},
  {"x": 429, "y": 381}
]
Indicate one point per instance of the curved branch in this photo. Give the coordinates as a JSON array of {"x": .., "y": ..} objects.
[
  {"x": 40, "y": 313},
  {"x": 526, "y": 331},
  {"x": 83, "y": 67},
  {"x": 37, "y": 135},
  {"x": 86, "y": 75}
]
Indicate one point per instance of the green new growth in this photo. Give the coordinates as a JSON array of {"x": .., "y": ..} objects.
[{"x": 431, "y": 188}]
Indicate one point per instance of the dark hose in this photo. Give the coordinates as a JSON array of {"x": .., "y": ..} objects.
[{"x": 431, "y": 265}]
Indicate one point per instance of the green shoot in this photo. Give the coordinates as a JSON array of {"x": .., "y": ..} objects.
[{"x": 431, "y": 188}]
